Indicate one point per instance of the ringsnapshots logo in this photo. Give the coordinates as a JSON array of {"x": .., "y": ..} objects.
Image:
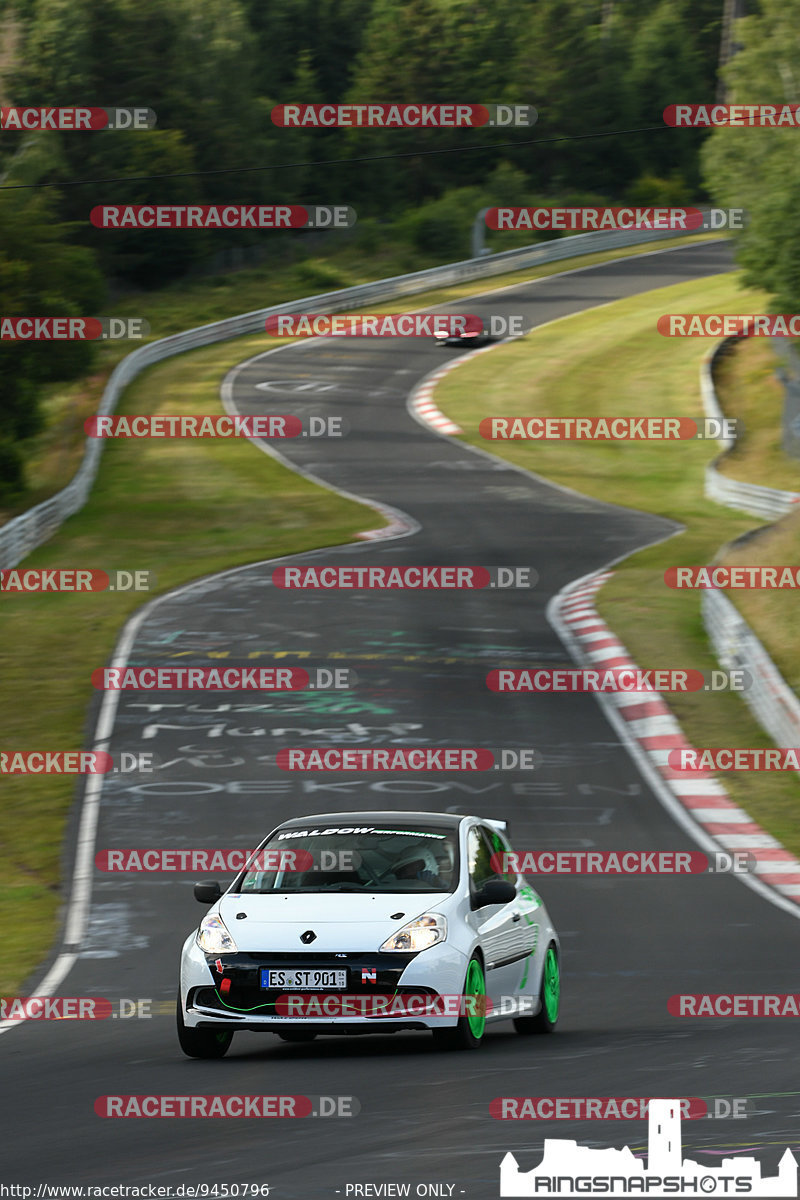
[{"x": 568, "y": 1169}]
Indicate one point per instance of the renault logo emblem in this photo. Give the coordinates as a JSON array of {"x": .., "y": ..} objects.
[{"x": 308, "y": 937}]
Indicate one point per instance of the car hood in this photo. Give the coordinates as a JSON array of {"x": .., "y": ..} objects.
[{"x": 341, "y": 920}]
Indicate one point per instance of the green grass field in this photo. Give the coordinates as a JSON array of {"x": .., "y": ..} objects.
[{"x": 747, "y": 388}]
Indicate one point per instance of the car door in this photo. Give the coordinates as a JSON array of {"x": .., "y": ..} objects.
[
  {"x": 528, "y": 905},
  {"x": 499, "y": 926}
]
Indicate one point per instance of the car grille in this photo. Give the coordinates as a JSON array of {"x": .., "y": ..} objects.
[{"x": 246, "y": 995}]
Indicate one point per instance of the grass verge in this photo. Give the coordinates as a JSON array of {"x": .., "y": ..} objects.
[{"x": 748, "y": 389}]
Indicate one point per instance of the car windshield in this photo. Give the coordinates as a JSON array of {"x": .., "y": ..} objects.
[{"x": 347, "y": 859}]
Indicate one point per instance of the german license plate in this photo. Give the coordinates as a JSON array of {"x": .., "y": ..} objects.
[{"x": 301, "y": 978}]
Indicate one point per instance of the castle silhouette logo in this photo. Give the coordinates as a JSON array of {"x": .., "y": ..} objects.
[{"x": 568, "y": 1169}]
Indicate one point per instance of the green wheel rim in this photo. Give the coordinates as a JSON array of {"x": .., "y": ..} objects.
[
  {"x": 475, "y": 986},
  {"x": 551, "y": 986}
]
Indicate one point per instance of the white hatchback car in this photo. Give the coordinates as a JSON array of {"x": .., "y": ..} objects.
[{"x": 362, "y": 922}]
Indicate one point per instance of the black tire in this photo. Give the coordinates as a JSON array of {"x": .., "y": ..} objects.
[
  {"x": 546, "y": 1019},
  {"x": 202, "y": 1043},
  {"x": 297, "y": 1035},
  {"x": 468, "y": 1033}
]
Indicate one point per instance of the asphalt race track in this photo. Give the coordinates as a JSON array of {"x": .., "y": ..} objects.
[{"x": 421, "y": 660}]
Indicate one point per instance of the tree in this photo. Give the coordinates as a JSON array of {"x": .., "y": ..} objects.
[
  {"x": 41, "y": 275},
  {"x": 758, "y": 169}
]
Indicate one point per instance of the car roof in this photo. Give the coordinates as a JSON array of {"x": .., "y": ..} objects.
[{"x": 448, "y": 820}]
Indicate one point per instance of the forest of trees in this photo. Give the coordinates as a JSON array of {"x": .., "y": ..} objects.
[{"x": 213, "y": 70}]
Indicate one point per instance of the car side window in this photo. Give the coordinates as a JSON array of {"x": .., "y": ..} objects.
[
  {"x": 499, "y": 845},
  {"x": 479, "y": 855}
]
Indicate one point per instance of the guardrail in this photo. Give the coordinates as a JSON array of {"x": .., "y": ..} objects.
[
  {"x": 752, "y": 498},
  {"x": 770, "y": 699},
  {"x": 30, "y": 529}
]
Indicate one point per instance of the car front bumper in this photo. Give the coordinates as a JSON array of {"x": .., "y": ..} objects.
[{"x": 410, "y": 978}]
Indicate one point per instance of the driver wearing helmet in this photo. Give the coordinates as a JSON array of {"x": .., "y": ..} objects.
[{"x": 419, "y": 862}]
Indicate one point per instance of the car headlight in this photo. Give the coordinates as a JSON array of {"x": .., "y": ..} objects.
[
  {"x": 213, "y": 937},
  {"x": 419, "y": 934}
]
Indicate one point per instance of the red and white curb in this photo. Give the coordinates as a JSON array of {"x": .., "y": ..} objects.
[
  {"x": 650, "y": 727},
  {"x": 398, "y": 526},
  {"x": 422, "y": 407},
  {"x": 420, "y": 402}
]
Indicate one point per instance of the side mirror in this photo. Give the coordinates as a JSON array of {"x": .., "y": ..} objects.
[
  {"x": 207, "y": 893},
  {"x": 495, "y": 891}
]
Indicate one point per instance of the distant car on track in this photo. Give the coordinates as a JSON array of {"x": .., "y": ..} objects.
[
  {"x": 472, "y": 340},
  {"x": 360, "y": 922}
]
